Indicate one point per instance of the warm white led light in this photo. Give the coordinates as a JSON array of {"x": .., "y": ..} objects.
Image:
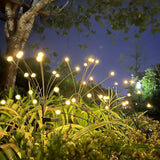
[
  {"x": 73, "y": 100},
  {"x": 68, "y": 102},
  {"x": 33, "y": 75},
  {"x": 18, "y": 97},
  {"x": 30, "y": 92},
  {"x": 9, "y": 58},
  {"x": 58, "y": 112},
  {"x": 34, "y": 101},
  {"x": 54, "y": 72},
  {"x": 26, "y": 74},
  {"x": 89, "y": 95},
  {"x": 56, "y": 89},
  {"x": 19, "y": 55},
  {"x": 66, "y": 59},
  {"x": 3, "y": 102}
]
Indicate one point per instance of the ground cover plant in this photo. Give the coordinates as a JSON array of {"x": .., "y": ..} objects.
[{"x": 92, "y": 123}]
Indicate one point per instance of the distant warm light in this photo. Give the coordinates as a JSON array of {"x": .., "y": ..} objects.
[
  {"x": 125, "y": 82},
  {"x": 57, "y": 75},
  {"x": 26, "y": 74},
  {"x": 112, "y": 73},
  {"x": 77, "y": 68},
  {"x": 33, "y": 75},
  {"x": 100, "y": 96},
  {"x": 39, "y": 59},
  {"x": 68, "y": 102},
  {"x": 54, "y": 72},
  {"x": 132, "y": 82},
  {"x": 149, "y": 105},
  {"x": 116, "y": 83},
  {"x": 97, "y": 61},
  {"x": 123, "y": 104},
  {"x": 3, "y": 102},
  {"x": 91, "y": 60},
  {"x": 30, "y": 92},
  {"x": 127, "y": 102},
  {"x": 58, "y": 112},
  {"x": 106, "y": 107},
  {"x": 19, "y": 55},
  {"x": 9, "y": 58},
  {"x": 18, "y": 97},
  {"x": 56, "y": 89},
  {"x": 85, "y": 64},
  {"x": 138, "y": 92},
  {"x": 91, "y": 78},
  {"x": 84, "y": 83},
  {"x": 89, "y": 95},
  {"x": 128, "y": 94},
  {"x": 73, "y": 100},
  {"x": 40, "y": 54},
  {"x": 106, "y": 97},
  {"x": 34, "y": 101},
  {"x": 66, "y": 59}
]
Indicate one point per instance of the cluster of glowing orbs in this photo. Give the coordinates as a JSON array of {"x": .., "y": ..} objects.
[
  {"x": 90, "y": 60},
  {"x": 125, "y": 103},
  {"x": 40, "y": 56},
  {"x": 20, "y": 54}
]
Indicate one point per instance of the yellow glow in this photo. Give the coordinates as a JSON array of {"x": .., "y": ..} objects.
[
  {"x": 54, "y": 72},
  {"x": 97, "y": 61},
  {"x": 26, "y": 74},
  {"x": 100, "y": 96},
  {"x": 149, "y": 105},
  {"x": 127, "y": 102},
  {"x": 34, "y": 101},
  {"x": 84, "y": 83},
  {"x": 131, "y": 81},
  {"x": 68, "y": 102},
  {"x": 112, "y": 73},
  {"x": 138, "y": 92},
  {"x": 125, "y": 82},
  {"x": 85, "y": 64},
  {"x": 91, "y": 78},
  {"x": 73, "y": 100},
  {"x": 116, "y": 83},
  {"x": 66, "y": 59},
  {"x": 9, "y": 58},
  {"x": 77, "y": 68},
  {"x": 3, "y": 102},
  {"x": 33, "y": 75},
  {"x": 39, "y": 59},
  {"x": 128, "y": 94},
  {"x": 106, "y": 97},
  {"x": 89, "y": 95},
  {"x": 58, "y": 112},
  {"x": 19, "y": 55},
  {"x": 30, "y": 92},
  {"x": 91, "y": 60},
  {"x": 18, "y": 97},
  {"x": 40, "y": 54},
  {"x": 123, "y": 104},
  {"x": 57, "y": 75},
  {"x": 56, "y": 89},
  {"x": 106, "y": 107}
]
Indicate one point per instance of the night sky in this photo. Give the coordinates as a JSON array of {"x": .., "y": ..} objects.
[{"x": 100, "y": 47}]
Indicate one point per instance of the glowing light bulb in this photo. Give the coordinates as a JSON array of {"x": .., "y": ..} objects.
[
  {"x": 84, "y": 83},
  {"x": 3, "y": 102},
  {"x": 54, "y": 72},
  {"x": 123, "y": 104},
  {"x": 56, "y": 89},
  {"x": 73, "y": 100},
  {"x": 30, "y": 92},
  {"x": 106, "y": 97},
  {"x": 58, "y": 112},
  {"x": 106, "y": 107},
  {"x": 66, "y": 59},
  {"x": 97, "y": 61},
  {"x": 57, "y": 75},
  {"x": 68, "y": 102},
  {"x": 33, "y": 75},
  {"x": 77, "y": 68},
  {"x": 116, "y": 83},
  {"x": 131, "y": 81},
  {"x": 89, "y": 95},
  {"x": 26, "y": 74},
  {"x": 100, "y": 96},
  {"x": 129, "y": 94},
  {"x": 90, "y": 60},
  {"x": 112, "y": 73},
  {"x": 91, "y": 78},
  {"x": 19, "y": 55},
  {"x": 127, "y": 102},
  {"x": 18, "y": 97},
  {"x": 40, "y": 54},
  {"x": 34, "y": 101},
  {"x": 85, "y": 64},
  {"x": 9, "y": 58},
  {"x": 149, "y": 105},
  {"x": 138, "y": 92},
  {"x": 39, "y": 59},
  {"x": 125, "y": 82}
]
